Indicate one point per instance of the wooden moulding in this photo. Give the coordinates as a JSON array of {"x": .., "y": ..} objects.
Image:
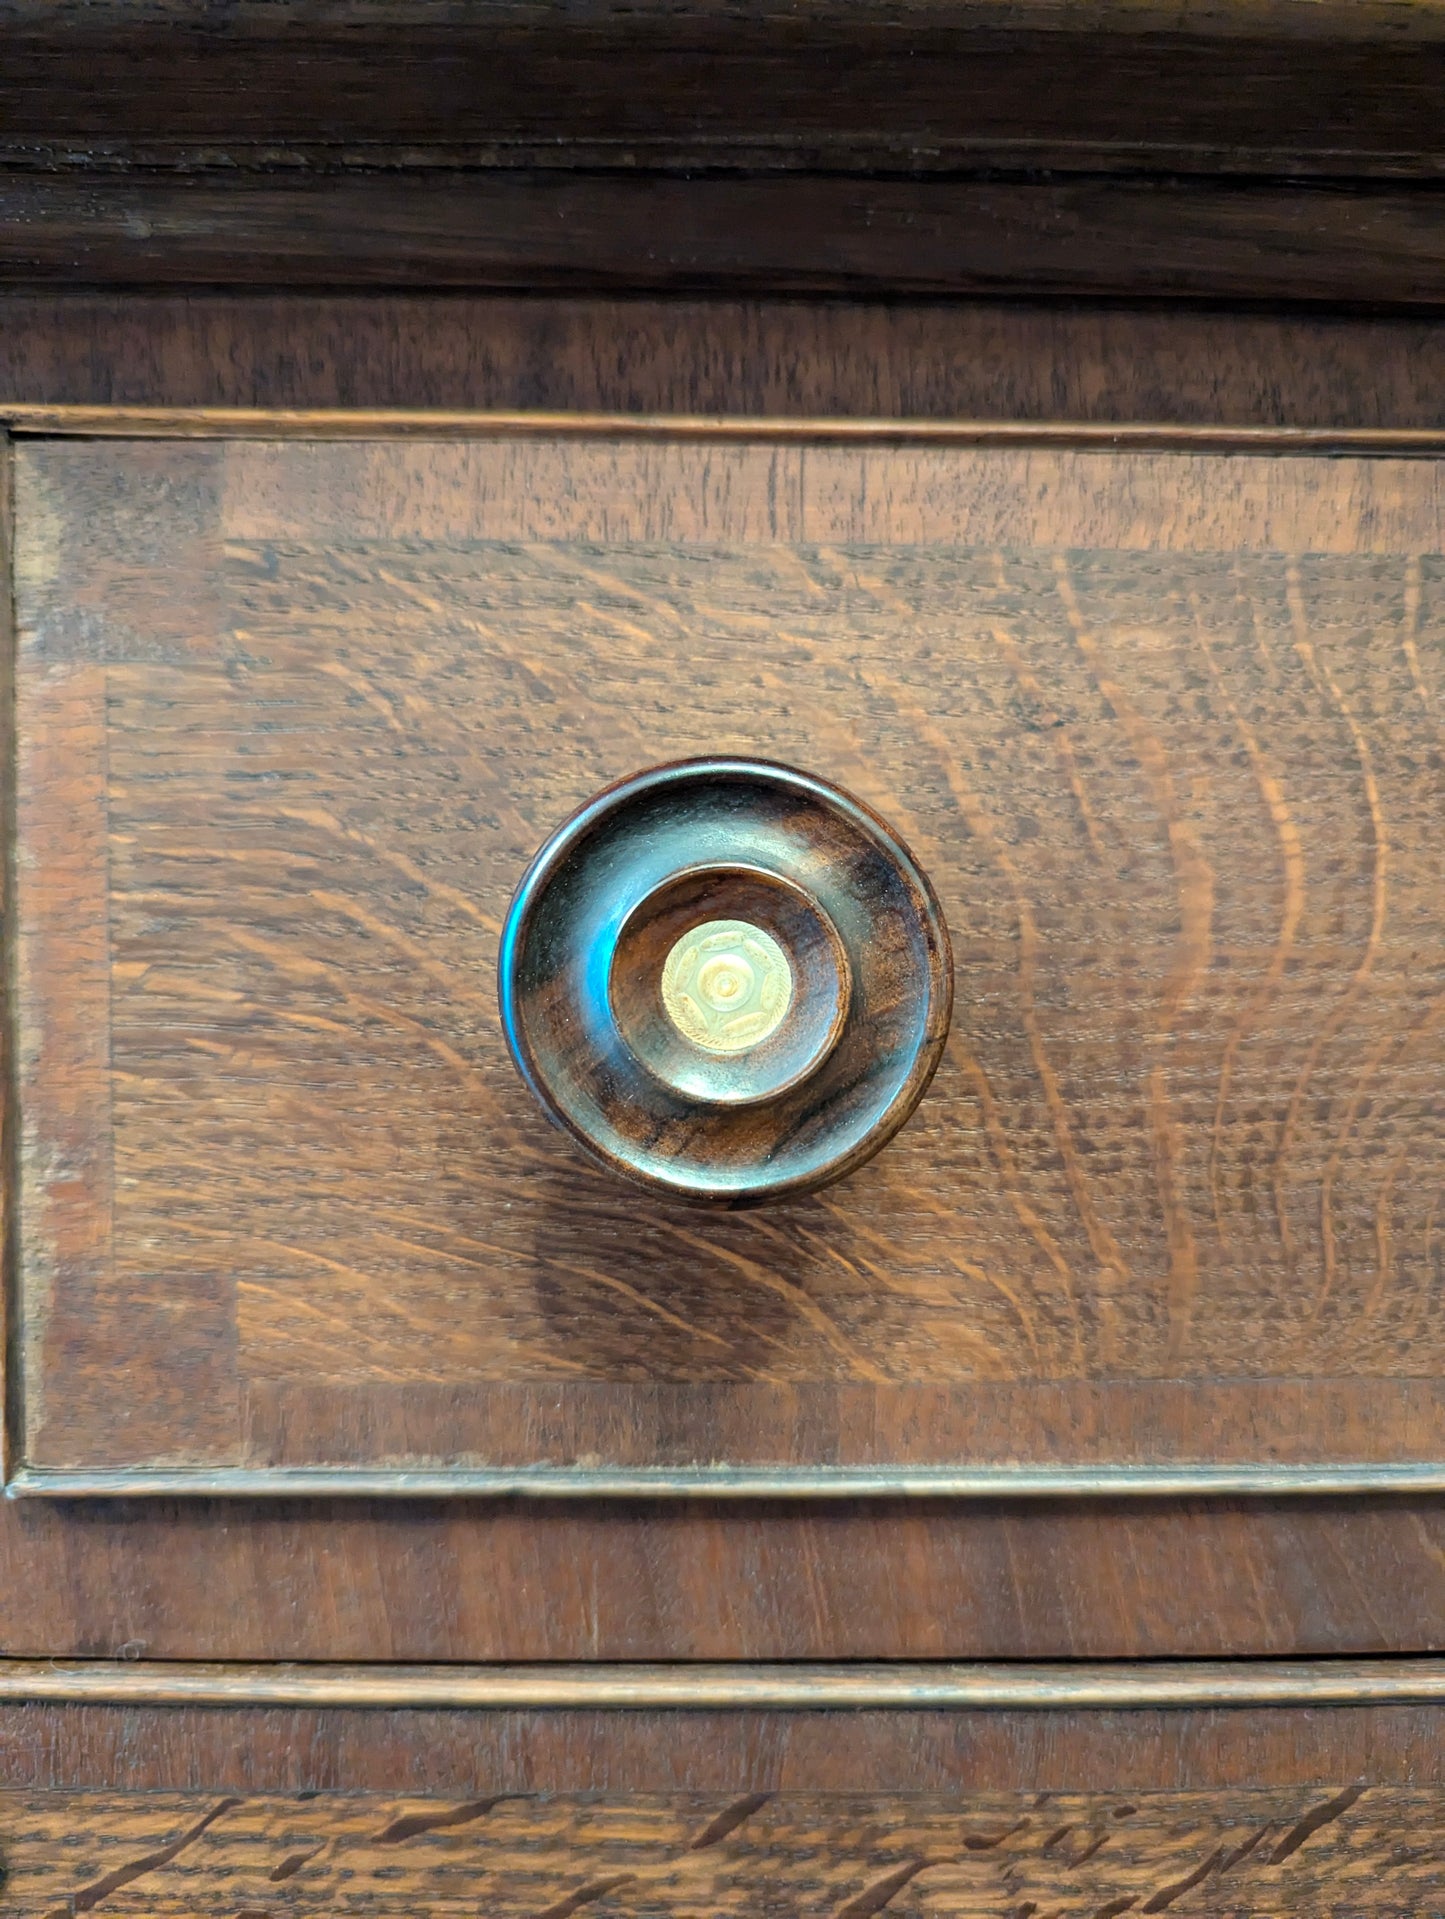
[
  {"x": 746, "y": 1483},
  {"x": 520, "y": 1853},
  {"x": 27, "y": 421},
  {"x": 835, "y": 82},
  {"x": 618, "y": 230},
  {"x": 10, "y": 1366},
  {"x": 895, "y": 1686},
  {"x": 831, "y": 149}
]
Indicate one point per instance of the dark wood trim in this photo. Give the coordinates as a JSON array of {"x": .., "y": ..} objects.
[
  {"x": 938, "y": 147},
  {"x": 922, "y": 83},
  {"x": 629, "y": 230},
  {"x": 31, "y": 421},
  {"x": 732, "y": 1750}
]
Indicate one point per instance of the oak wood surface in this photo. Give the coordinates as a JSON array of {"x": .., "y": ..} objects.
[
  {"x": 1183, "y": 1158},
  {"x": 328, "y": 1574},
  {"x": 469, "y": 1754},
  {"x": 360, "y": 1580},
  {"x": 425, "y": 1580},
  {"x": 980, "y": 1853},
  {"x": 704, "y": 1685}
]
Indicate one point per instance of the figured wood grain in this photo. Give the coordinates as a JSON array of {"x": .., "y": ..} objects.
[
  {"x": 1350, "y": 1850},
  {"x": 63, "y": 953},
  {"x": 428, "y": 1580},
  {"x": 1175, "y": 1195}
]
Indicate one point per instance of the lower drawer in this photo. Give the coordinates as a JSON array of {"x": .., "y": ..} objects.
[{"x": 1284, "y": 1808}]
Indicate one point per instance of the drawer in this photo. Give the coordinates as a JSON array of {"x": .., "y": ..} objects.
[
  {"x": 919, "y": 1812},
  {"x": 1160, "y": 720}
]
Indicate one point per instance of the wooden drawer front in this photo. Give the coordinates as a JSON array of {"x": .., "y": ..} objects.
[
  {"x": 1164, "y": 727},
  {"x": 954, "y": 1855},
  {"x": 807, "y": 1814}
]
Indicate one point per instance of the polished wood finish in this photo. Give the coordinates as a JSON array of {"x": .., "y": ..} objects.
[
  {"x": 29, "y": 421},
  {"x": 1284, "y": 151},
  {"x": 698, "y": 1686},
  {"x": 734, "y": 1751},
  {"x": 976, "y": 1853},
  {"x": 428, "y": 1580},
  {"x": 692, "y": 147},
  {"x": 1259, "y": 85},
  {"x": 834, "y": 234},
  {"x": 818, "y": 889},
  {"x": 1177, "y": 792},
  {"x": 1002, "y": 361}
]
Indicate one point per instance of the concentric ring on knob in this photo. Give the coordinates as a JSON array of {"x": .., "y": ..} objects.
[
  {"x": 676, "y": 959},
  {"x": 727, "y": 979}
]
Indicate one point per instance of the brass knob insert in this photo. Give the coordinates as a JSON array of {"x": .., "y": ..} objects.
[
  {"x": 727, "y": 985},
  {"x": 727, "y": 979}
]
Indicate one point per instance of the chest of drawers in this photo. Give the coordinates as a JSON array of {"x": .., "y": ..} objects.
[{"x": 1024, "y": 426}]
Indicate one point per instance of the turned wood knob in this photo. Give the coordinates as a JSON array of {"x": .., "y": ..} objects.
[{"x": 727, "y": 979}]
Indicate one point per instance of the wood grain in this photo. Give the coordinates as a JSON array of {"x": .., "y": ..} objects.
[
  {"x": 836, "y": 234},
  {"x": 313, "y": 425},
  {"x": 1174, "y": 1197},
  {"x": 980, "y": 1853},
  {"x": 62, "y": 970},
  {"x": 985, "y": 361},
  {"x": 431, "y": 1580},
  {"x": 941, "y": 147},
  {"x": 427, "y": 1580},
  {"x": 1284, "y": 85},
  {"x": 698, "y": 1686}
]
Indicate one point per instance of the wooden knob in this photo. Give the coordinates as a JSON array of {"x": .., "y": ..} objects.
[{"x": 727, "y": 979}]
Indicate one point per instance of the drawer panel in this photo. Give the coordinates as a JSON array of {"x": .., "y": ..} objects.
[
  {"x": 1287, "y": 1809},
  {"x": 1164, "y": 728},
  {"x": 971, "y": 1855}
]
